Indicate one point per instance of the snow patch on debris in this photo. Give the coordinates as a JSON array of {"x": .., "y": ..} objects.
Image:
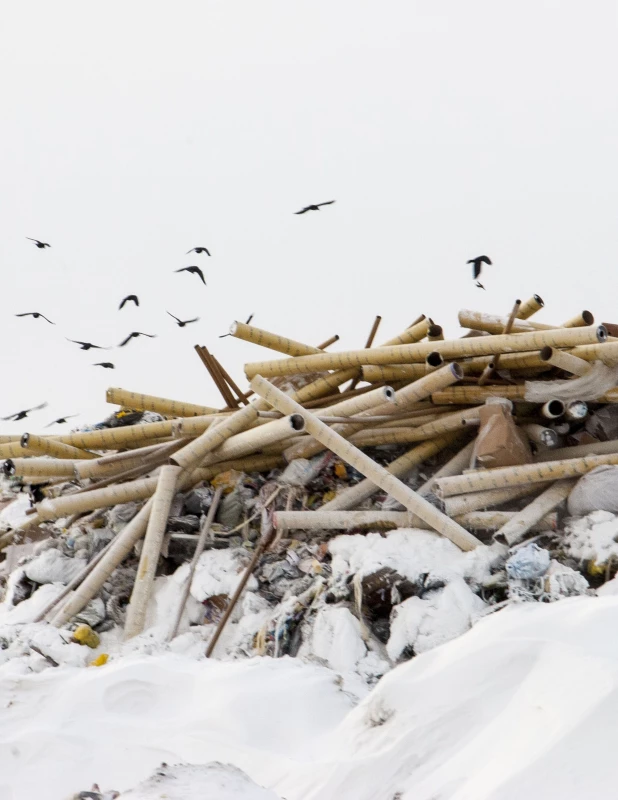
[{"x": 593, "y": 538}]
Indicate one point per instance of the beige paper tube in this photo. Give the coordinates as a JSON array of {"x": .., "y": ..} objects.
[
  {"x": 465, "y": 503},
  {"x": 250, "y": 441},
  {"x": 350, "y": 520},
  {"x": 403, "y": 372},
  {"x": 50, "y": 447},
  {"x": 14, "y": 450},
  {"x": 6, "y": 439},
  {"x": 120, "y": 549},
  {"x": 422, "y": 389},
  {"x": 460, "y": 395},
  {"x": 530, "y": 307},
  {"x": 120, "y": 462},
  {"x": 49, "y": 467},
  {"x": 540, "y": 435},
  {"x": 323, "y": 386},
  {"x": 553, "y": 409},
  {"x": 357, "y": 459},
  {"x": 517, "y": 476},
  {"x": 516, "y": 528},
  {"x": 195, "y": 426},
  {"x": 352, "y": 496},
  {"x": 137, "y": 401},
  {"x": 578, "y": 450},
  {"x": 579, "y": 320},
  {"x": 495, "y": 323},
  {"x": 565, "y": 361},
  {"x": 445, "y": 424},
  {"x": 260, "y": 463},
  {"x": 98, "y": 498},
  {"x": 435, "y": 333},
  {"x": 115, "y": 438},
  {"x": 510, "y": 361},
  {"x": 384, "y": 397},
  {"x": 594, "y": 352},
  {"x": 149, "y": 557},
  {"x": 452, "y": 348},
  {"x": 195, "y": 452},
  {"x": 271, "y": 340},
  {"x": 414, "y": 333}
]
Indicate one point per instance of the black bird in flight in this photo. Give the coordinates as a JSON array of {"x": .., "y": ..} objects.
[
  {"x": 134, "y": 335},
  {"x": 60, "y": 420},
  {"x": 479, "y": 284},
  {"x": 199, "y": 250},
  {"x": 23, "y": 414},
  {"x": 181, "y": 323},
  {"x": 36, "y": 315},
  {"x": 315, "y": 207},
  {"x": 126, "y": 299},
  {"x": 249, "y": 318},
  {"x": 40, "y": 245},
  {"x": 477, "y": 265},
  {"x": 194, "y": 270},
  {"x": 87, "y": 345},
  {"x": 105, "y": 365}
]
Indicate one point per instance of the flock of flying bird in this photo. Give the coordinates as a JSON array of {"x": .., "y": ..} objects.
[{"x": 194, "y": 270}]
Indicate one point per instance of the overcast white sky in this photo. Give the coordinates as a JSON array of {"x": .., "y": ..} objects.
[{"x": 132, "y": 131}]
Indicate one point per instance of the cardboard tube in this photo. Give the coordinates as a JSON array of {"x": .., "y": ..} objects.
[
  {"x": 403, "y": 372},
  {"x": 495, "y": 324},
  {"x": 250, "y": 441},
  {"x": 540, "y": 435},
  {"x": 530, "y": 307},
  {"x": 260, "y": 463},
  {"x": 162, "y": 405},
  {"x": 50, "y": 447},
  {"x": 578, "y": 321},
  {"x": 454, "y": 466},
  {"x": 98, "y": 498},
  {"x": 510, "y": 361},
  {"x": 352, "y": 496},
  {"x": 422, "y": 388},
  {"x": 516, "y": 528},
  {"x": 414, "y": 333},
  {"x": 149, "y": 557},
  {"x": 452, "y": 348},
  {"x": 565, "y": 361},
  {"x": 553, "y": 409},
  {"x": 14, "y": 450},
  {"x": 272, "y": 341},
  {"x": 460, "y": 395},
  {"x": 445, "y": 424},
  {"x": 195, "y": 452},
  {"x": 435, "y": 333},
  {"x": 593, "y": 449},
  {"x": 324, "y": 385},
  {"x": 500, "y": 477},
  {"x": 116, "y": 438},
  {"x": 328, "y": 342},
  {"x": 357, "y": 459},
  {"x": 49, "y": 467},
  {"x": 351, "y": 520},
  {"x": 119, "y": 462},
  {"x": 465, "y": 503}
]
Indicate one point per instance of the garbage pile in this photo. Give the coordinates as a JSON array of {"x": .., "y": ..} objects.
[{"x": 362, "y": 507}]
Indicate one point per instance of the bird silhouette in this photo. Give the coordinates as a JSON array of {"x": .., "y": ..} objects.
[
  {"x": 479, "y": 284},
  {"x": 40, "y": 245},
  {"x": 60, "y": 420},
  {"x": 126, "y": 299},
  {"x": 87, "y": 345},
  {"x": 23, "y": 414},
  {"x": 199, "y": 250},
  {"x": 315, "y": 207},
  {"x": 181, "y": 323},
  {"x": 194, "y": 270},
  {"x": 477, "y": 264},
  {"x": 134, "y": 335},
  {"x": 104, "y": 364},
  {"x": 36, "y": 315}
]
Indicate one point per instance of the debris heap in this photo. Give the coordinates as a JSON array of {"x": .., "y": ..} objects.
[{"x": 476, "y": 448}]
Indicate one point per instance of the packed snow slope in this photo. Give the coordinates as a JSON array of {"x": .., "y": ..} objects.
[{"x": 524, "y": 705}]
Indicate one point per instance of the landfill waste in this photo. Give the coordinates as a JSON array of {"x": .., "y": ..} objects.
[{"x": 373, "y": 503}]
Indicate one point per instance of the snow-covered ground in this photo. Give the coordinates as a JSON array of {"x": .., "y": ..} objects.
[{"x": 523, "y": 705}]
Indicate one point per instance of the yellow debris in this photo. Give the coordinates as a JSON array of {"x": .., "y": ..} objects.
[
  {"x": 341, "y": 471},
  {"x": 99, "y": 660},
  {"x": 84, "y": 634}
]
